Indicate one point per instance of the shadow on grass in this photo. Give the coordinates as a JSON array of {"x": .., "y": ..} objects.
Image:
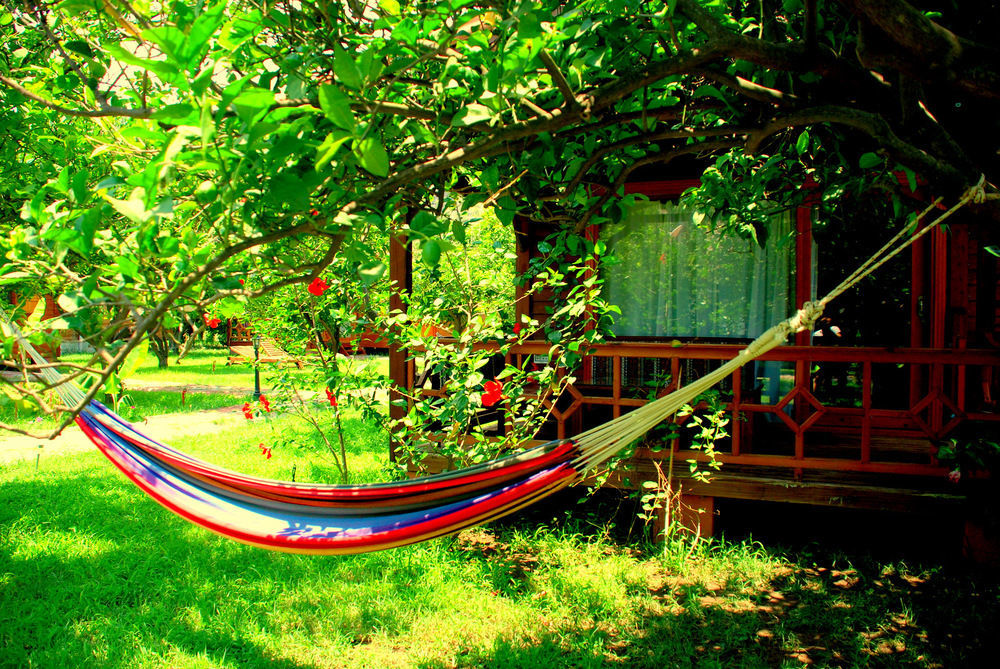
[
  {"x": 92, "y": 573},
  {"x": 870, "y": 616}
]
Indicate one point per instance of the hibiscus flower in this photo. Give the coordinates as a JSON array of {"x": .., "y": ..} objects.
[
  {"x": 492, "y": 393},
  {"x": 317, "y": 286}
]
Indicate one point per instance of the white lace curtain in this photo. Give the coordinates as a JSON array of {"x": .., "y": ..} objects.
[{"x": 672, "y": 278}]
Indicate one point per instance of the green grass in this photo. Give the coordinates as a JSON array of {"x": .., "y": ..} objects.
[
  {"x": 94, "y": 574},
  {"x": 136, "y": 405},
  {"x": 208, "y": 367}
]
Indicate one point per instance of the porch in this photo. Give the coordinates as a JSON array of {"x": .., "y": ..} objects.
[{"x": 870, "y": 443}]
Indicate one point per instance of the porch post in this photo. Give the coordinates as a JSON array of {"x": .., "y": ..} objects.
[{"x": 401, "y": 275}]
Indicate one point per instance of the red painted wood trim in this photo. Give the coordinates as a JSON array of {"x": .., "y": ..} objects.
[
  {"x": 790, "y": 462},
  {"x": 737, "y": 424},
  {"x": 400, "y": 370},
  {"x": 866, "y": 407},
  {"x": 695, "y": 351},
  {"x": 803, "y": 264},
  {"x": 939, "y": 287},
  {"x": 665, "y": 190}
]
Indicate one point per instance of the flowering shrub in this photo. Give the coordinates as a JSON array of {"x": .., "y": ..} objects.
[{"x": 474, "y": 369}]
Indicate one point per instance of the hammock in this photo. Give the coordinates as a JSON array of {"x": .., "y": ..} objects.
[{"x": 337, "y": 519}]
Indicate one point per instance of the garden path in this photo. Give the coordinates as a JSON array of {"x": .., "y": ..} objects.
[{"x": 14, "y": 447}]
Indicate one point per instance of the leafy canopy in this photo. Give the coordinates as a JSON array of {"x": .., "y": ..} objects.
[{"x": 157, "y": 152}]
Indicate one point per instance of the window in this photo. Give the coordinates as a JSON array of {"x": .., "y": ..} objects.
[{"x": 672, "y": 278}]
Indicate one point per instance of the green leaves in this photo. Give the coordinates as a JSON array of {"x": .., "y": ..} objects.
[
  {"x": 369, "y": 273},
  {"x": 390, "y": 6},
  {"x": 337, "y": 107},
  {"x": 251, "y": 101},
  {"x": 869, "y": 161},
  {"x": 187, "y": 48},
  {"x": 328, "y": 149},
  {"x": 372, "y": 156},
  {"x": 134, "y": 208},
  {"x": 167, "y": 70},
  {"x": 802, "y": 144},
  {"x": 134, "y": 359},
  {"x": 346, "y": 69},
  {"x": 472, "y": 114}
]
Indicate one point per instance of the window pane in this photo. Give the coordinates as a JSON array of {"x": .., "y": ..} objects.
[{"x": 673, "y": 278}]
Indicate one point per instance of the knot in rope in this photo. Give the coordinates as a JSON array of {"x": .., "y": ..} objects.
[
  {"x": 807, "y": 316},
  {"x": 977, "y": 193}
]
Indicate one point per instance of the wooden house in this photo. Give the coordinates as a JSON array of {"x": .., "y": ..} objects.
[
  {"x": 50, "y": 350},
  {"x": 240, "y": 342},
  {"x": 850, "y": 415}
]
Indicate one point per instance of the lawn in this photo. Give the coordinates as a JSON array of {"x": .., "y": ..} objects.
[
  {"x": 207, "y": 366},
  {"x": 136, "y": 405},
  {"x": 93, "y": 573}
]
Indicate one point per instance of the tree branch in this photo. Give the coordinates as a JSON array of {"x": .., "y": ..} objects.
[
  {"x": 924, "y": 49},
  {"x": 747, "y": 88},
  {"x": 558, "y": 79},
  {"x": 875, "y": 127},
  {"x": 640, "y": 139},
  {"x": 619, "y": 182},
  {"x": 105, "y": 110}
]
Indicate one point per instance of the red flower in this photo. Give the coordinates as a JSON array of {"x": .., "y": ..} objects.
[
  {"x": 247, "y": 411},
  {"x": 267, "y": 405},
  {"x": 493, "y": 393},
  {"x": 317, "y": 286},
  {"x": 330, "y": 396},
  {"x": 211, "y": 322},
  {"x": 517, "y": 328},
  {"x": 313, "y": 212},
  {"x": 265, "y": 451},
  {"x": 241, "y": 282}
]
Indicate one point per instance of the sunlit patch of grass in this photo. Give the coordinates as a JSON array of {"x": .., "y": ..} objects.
[
  {"x": 209, "y": 366},
  {"x": 134, "y": 406}
]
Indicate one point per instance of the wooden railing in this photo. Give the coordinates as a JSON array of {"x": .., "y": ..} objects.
[{"x": 801, "y": 407}]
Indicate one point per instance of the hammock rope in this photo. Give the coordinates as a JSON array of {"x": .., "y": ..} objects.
[{"x": 339, "y": 519}]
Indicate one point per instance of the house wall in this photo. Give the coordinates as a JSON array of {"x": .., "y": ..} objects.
[{"x": 52, "y": 310}]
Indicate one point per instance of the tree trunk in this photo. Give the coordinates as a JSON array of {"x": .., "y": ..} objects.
[{"x": 160, "y": 346}]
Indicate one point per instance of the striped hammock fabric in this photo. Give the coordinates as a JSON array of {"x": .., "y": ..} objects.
[{"x": 327, "y": 519}]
